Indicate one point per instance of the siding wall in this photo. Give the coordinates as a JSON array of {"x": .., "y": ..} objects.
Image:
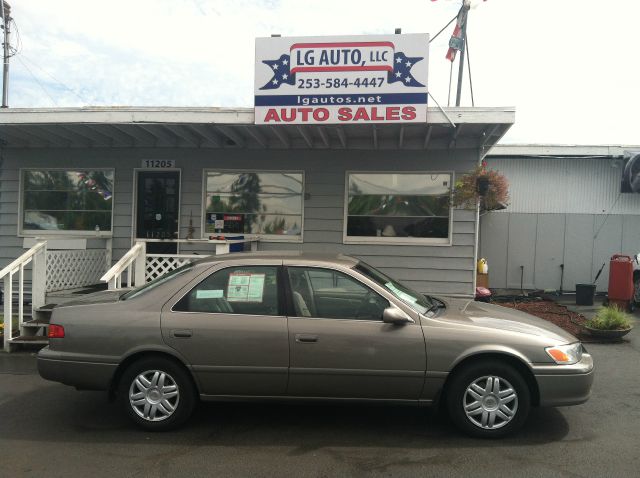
[
  {"x": 562, "y": 211},
  {"x": 565, "y": 185},
  {"x": 541, "y": 242},
  {"x": 435, "y": 269}
]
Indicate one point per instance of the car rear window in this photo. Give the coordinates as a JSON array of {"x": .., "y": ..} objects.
[
  {"x": 246, "y": 290},
  {"x": 138, "y": 291}
]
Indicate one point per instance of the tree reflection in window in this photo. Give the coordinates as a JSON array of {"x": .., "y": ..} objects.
[
  {"x": 263, "y": 202},
  {"x": 398, "y": 205},
  {"x": 67, "y": 200}
]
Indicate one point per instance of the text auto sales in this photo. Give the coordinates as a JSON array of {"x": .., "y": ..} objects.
[{"x": 344, "y": 114}]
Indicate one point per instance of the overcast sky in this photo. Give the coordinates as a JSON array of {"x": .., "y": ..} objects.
[{"x": 569, "y": 67}]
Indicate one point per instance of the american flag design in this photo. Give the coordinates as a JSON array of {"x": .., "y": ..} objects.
[
  {"x": 402, "y": 65},
  {"x": 281, "y": 73}
]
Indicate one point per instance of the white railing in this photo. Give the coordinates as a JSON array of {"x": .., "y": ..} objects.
[
  {"x": 159, "y": 264},
  {"x": 37, "y": 254},
  {"x": 69, "y": 269},
  {"x": 132, "y": 263},
  {"x": 141, "y": 267}
]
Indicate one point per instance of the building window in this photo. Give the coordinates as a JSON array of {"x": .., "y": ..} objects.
[
  {"x": 69, "y": 201},
  {"x": 244, "y": 202},
  {"x": 398, "y": 208}
]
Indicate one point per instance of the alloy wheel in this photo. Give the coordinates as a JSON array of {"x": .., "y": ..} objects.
[
  {"x": 490, "y": 402},
  {"x": 154, "y": 395}
]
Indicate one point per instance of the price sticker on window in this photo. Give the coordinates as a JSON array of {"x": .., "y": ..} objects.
[{"x": 245, "y": 287}]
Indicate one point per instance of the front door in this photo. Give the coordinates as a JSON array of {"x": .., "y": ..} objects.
[
  {"x": 340, "y": 347},
  {"x": 157, "y": 206},
  {"x": 232, "y": 331}
]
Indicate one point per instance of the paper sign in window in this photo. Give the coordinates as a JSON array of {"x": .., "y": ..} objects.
[
  {"x": 245, "y": 287},
  {"x": 210, "y": 294}
]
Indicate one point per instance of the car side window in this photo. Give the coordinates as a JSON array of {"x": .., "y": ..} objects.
[
  {"x": 235, "y": 290},
  {"x": 326, "y": 293}
]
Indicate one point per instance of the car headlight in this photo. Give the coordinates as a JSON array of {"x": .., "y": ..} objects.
[{"x": 565, "y": 354}]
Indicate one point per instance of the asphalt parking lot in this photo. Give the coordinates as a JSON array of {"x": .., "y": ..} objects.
[{"x": 47, "y": 429}]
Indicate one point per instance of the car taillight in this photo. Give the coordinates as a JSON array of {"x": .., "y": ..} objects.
[{"x": 56, "y": 331}]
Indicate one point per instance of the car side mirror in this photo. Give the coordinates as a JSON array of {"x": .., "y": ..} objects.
[{"x": 393, "y": 315}]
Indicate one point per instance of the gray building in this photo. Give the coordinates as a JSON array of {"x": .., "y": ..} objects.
[
  {"x": 93, "y": 183},
  {"x": 566, "y": 208}
]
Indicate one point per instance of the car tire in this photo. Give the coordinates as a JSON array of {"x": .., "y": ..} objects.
[
  {"x": 636, "y": 290},
  {"x": 484, "y": 408},
  {"x": 157, "y": 394}
]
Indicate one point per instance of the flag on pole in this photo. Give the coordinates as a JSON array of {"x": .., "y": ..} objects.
[{"x": 456, "y": 41}]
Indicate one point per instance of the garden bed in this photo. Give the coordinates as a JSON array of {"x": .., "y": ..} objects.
[{"x": 558, "y": 314}]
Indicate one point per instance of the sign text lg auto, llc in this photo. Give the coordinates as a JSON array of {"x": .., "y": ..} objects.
[{"x": 337, "y": 80}]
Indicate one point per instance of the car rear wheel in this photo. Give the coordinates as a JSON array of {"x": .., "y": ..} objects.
[
  {"x": 488, "y": 399},
  {"x": 157, "y": 394}
]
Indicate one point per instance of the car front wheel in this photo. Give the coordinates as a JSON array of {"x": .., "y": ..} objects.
[
  {"x": 157, "y": 394},
  {"x": 488, "y": 399}
]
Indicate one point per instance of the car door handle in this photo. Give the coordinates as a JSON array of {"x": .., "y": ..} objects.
[
  {"x": 306, "y": 338},
  {"x": 182, "y": 333}
]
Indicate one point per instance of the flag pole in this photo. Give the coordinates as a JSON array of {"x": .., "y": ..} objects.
[{"x": 463, "y": 36}]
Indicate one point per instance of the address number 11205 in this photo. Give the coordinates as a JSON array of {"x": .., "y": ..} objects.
[{"x": 158, "y": 163}]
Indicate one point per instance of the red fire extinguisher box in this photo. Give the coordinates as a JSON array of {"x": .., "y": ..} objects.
[{"x": 620, "y": 278}]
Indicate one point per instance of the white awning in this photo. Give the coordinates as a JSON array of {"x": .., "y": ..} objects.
[{"x": 130, "y": 127}]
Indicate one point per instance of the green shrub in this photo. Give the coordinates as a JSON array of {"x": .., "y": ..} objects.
[{"x": 609, "y": 318}]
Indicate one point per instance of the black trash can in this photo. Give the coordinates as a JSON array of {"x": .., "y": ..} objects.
[{"x": 585, "y": 293}]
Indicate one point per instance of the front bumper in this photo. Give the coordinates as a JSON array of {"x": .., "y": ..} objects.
[
  {"x": 82, "y": 375},
  {"x": 561, "y": 385}
]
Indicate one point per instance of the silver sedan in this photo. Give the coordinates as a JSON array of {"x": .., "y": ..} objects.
[{"x": 310, "y": 327}]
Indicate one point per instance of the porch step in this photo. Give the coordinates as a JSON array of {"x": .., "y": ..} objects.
[
  {"x": 43, "y": 314},
  {"x": 36, "y": 323},
  {"x": 30, "y": 340},
  {"x": 46, "y": 308}
]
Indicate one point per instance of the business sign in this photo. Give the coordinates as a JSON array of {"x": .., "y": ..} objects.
[{"x": 340, "y": 80}]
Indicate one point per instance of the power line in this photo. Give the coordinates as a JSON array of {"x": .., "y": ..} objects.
[
  {"x": 33, "y": 63},
  {"x": 38, "y": 81},
  {"x": 18, "y": 47}
]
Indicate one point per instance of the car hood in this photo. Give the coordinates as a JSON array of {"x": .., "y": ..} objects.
[
  {"x": 102, "y": 297},
  {"x": 492, "y": 316}
]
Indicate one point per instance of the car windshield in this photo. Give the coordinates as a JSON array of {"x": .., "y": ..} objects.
[
  {"x": 419, "y": 302},
  {"x": 156, "y": 282}
]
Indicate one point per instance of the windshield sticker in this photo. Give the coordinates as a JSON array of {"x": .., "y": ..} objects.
[
  {"x": 210, "y": 294},
  {"x": 245, "y": 287}
]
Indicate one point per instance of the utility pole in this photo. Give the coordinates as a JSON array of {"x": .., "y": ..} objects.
[
  {"x": 466, "y": 5},
  {"x": 6, "y": 17}
]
